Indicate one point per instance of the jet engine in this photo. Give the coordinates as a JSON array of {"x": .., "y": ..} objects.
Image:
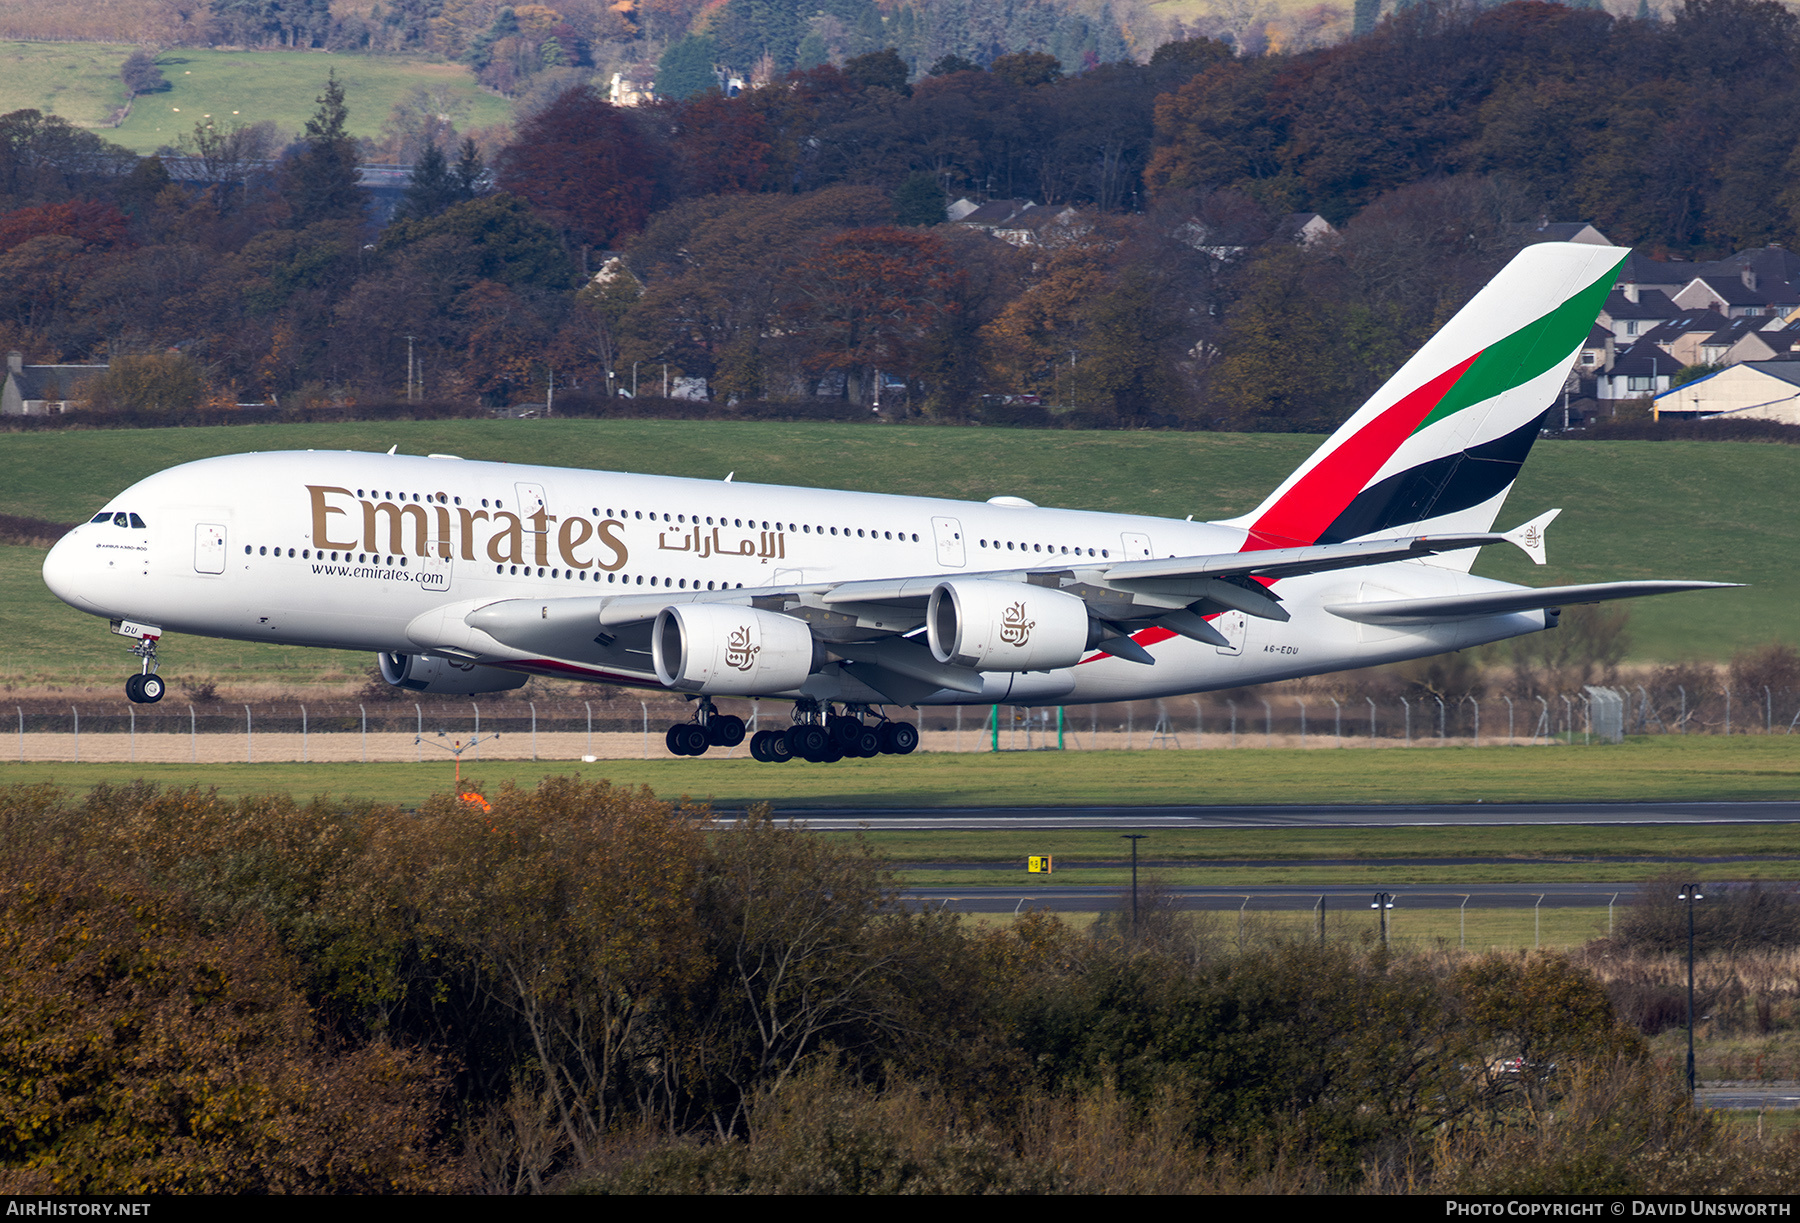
[
  {"x": 726, "y": 650},
  {"x": 442, "y": 677},
  {"x": 1007, "y": 626}
]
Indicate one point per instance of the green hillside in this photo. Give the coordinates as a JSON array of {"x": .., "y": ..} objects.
[
  {"x": 1718, "y": 511},
  {"x": 80, "y": 82}
]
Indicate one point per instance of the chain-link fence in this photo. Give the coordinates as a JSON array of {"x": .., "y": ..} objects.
[{"x": 175, "y": 730}]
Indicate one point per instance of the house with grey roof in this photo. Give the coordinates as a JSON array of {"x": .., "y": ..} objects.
[
  {"x": 1631, "y": 312},
  {"x": 1020, "y": 222},
  {"x": 43, "y": 390},
  {"x": 1641, "y": 370}
]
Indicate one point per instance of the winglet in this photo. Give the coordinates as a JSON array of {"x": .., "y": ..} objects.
[{"x": 1530, "y": 537}]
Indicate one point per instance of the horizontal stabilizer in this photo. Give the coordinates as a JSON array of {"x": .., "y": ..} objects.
[
  {"x": 1502, "y": 602},
  {"x": 1529, "y": 538}
]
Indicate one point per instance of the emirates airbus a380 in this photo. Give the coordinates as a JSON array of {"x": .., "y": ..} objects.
[{"x": 467, "y": 577}]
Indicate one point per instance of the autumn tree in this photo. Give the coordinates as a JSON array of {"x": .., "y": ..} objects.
[
  {"x": 581, "y": 165},
  {"x": 866, "y": 299},
  {"x": 1283, "y": 364},
  {"x": 720, "y": 145},
  {"x": 95, "y": 226},
  {"x": 161, "y": 383},
  {"x": 593, "y": 328},
  {"x": 715, "y": 274},
  {"x": 1538, "y": 1013}
]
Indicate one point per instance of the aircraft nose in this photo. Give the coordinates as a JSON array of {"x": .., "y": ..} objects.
[{"x": 64, "y": 572}]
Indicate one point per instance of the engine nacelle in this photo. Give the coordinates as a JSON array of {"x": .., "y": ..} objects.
[
  {"x": 442, "y": 677},
  {"x": 1006, "y": 626},
  {"x": 725, "y": 650}
]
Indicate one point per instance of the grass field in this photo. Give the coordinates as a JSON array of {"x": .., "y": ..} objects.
[
  {"x": 1698, "y": 768},
  {"x": 80, "y": 82},
  {"x": 1719, "y": 511}
]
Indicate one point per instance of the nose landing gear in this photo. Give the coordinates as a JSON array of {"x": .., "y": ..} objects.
[{"x": 146, "y": 687}]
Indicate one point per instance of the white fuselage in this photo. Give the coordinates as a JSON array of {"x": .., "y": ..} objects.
[{"x": 381, "y": 552}]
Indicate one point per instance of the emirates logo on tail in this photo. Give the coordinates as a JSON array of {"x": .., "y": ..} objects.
[
  {"x": 739, "y": 653},
  {"x": 1015, "y": 629}
]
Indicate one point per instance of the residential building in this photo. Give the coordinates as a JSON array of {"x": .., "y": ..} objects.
[
  {"x": 43, "y": 390},
  {"x": 1754, "y": 390}
]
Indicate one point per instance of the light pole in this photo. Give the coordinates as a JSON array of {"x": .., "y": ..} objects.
[
  {"x": 1382, "y": 903},
  {"x": 1690, "y": 892},
  {"x": 1134, "y": 838}
]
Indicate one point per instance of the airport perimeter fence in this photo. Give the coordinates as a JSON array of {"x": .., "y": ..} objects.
[
  {"x": 1489, "y": 917},
  {"x": 512, "y": 729}
]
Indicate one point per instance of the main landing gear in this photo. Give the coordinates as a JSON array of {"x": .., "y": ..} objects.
[
  {"x": 710, "y": 728},
  {"x": 817, "y": 734},
  {"x": 146, "y": 687},
  {"x": 823, "y": 737}
]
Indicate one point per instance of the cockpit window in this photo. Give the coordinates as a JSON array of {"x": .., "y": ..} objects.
[
  {"x": 102, "y": 516},
  {"x": 121, "y": 520},
  {"x": 138, "y": 523}
]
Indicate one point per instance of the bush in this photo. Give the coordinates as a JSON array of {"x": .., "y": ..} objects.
[
  {"x": 161, "y": 384},
  {"x": 142, "y": 1053},
  {"x": 1729, "y": 917}
]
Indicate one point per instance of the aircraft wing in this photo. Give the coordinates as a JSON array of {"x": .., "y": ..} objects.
[
  {"x": 888, "y": 607},
  {"x": 877, "y": 628},
  {"x": 1497, "y": 603}
]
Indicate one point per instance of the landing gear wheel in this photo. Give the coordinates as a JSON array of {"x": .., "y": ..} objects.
[
  {"x": 867, "y": 745},
  {"x": 688, "y": 739},
  {"x": 844, "y": 730},
  {"x": 150, "y": 689},
  {"x": 134, "y": 689},
  {"x": 775, "y": 747},
  {"x": 899, "y": 738},
  {"x": 807, "y": 742},
  {"x": 756, "y": 747},
  {"x": 725, "y": 730}
]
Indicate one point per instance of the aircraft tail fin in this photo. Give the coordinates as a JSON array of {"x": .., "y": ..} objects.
[{"x": 1439, "y": 445}]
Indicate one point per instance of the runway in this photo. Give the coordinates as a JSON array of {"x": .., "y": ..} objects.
[
  {"x": 1460, "y": 815},
  {"x": 1006, "y": 898}
]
